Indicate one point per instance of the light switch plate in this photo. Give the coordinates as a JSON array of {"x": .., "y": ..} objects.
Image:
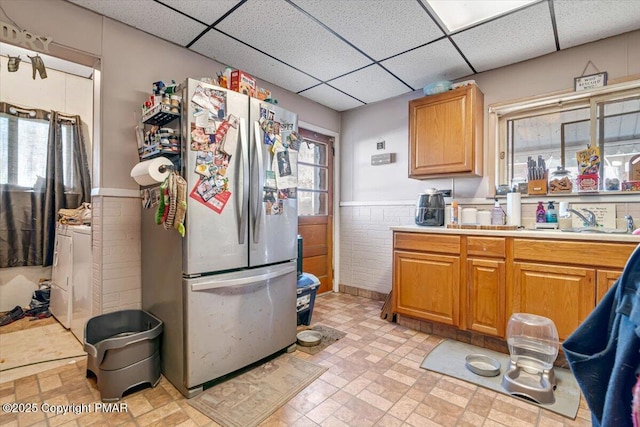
[{"x": 382, "y": 159}]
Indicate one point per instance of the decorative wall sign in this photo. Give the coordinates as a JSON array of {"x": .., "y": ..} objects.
[
  {"x": 591, "y": 81},
  {"x": 12, "y": 34}
]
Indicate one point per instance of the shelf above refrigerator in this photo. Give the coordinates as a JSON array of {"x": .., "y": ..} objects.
[{"x": 159, "y": 115}]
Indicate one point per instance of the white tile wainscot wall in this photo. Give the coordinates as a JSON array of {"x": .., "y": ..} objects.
[
  {"x": 366, "y": 242},
  {"x": 117, "y": 282}
]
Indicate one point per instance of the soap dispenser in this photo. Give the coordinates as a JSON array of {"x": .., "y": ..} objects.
[
  {"x": 540, "y": 213},
  {"x": 497, "y": 214},
  {"x": 552, "y": 215}
]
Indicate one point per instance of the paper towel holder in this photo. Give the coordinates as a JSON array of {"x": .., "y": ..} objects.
[{"x": 164, "y": 168}]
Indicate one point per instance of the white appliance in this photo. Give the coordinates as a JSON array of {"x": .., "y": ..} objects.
[
  {"x": 71, "y": 301},
  {"x": 226, "y": 292}
]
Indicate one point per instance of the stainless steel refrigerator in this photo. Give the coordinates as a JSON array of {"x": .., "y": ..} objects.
[{"x": 226, "y": 292}]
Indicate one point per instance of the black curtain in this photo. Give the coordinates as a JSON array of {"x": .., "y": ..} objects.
[{"x": 28, "y": 215}]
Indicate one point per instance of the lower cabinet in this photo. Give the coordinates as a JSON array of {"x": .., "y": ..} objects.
[
  {"x": 476, "y": 282},
  {"x": 564, "y": 294},
  {"x": 604, "y": 281},
  {"x": 486, "y": 296},
  {"x": 427, "y": 286}
]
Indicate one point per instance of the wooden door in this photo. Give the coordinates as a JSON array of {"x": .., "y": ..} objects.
[
  {"x": 563, "y": 294},
  {"x": 427, "y": 286},
  {"x": 486, "y": 296},
  {"x": 315, "y": 206}
]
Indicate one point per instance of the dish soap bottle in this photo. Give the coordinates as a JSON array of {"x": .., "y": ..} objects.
[
  {"x": 552, "y": 215},
  {"x": 540, "y": 213},
  {"x": 497, "y": 214}
]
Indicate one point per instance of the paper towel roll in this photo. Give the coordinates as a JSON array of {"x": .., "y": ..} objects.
[
  {"x": 514, "y": 209},
  {"x": 148, "y": 172}
]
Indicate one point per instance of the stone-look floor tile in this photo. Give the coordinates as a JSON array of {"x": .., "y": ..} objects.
[
  {"x": 49, "y": 383},
  {"x": 403, "y": 408},
  {"x": 323, "y": 411},
  {"x": 508, "y": 419},
  {"x": 374, "y": 378},
  {"x": 417, "y": 420},
  {"x": 157, "y": 414}
]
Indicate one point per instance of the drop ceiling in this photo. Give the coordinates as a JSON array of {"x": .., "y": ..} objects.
[{"x": 348, "y": 53}]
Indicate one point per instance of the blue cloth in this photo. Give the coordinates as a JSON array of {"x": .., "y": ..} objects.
[{"x": 603, "y": 352}]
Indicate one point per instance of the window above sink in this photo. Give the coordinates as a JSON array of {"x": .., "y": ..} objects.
[{"x": 557, "y": 127}]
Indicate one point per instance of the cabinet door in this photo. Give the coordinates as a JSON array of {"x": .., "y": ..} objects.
[
  {"x": 604, "y": 281},
  {"x": 445, "y": 134},
  {"x": 565, "y": 295},
  {"x": 486, "y": 296},
  {"x": 427, "y": 286}
]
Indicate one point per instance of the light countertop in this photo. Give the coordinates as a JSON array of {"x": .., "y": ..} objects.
[{"x": 526, "y": 233}]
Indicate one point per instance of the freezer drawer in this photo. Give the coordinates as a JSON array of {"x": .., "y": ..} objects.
[{"x": 236, "y": 319}]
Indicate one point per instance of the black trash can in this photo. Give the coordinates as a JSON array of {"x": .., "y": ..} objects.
[{"x": 307, "y": 288}]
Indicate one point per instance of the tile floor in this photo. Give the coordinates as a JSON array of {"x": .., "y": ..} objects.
[{"x": 373, "y": 379}]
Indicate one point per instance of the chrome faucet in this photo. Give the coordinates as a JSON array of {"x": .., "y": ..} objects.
[
  {"x": 630, "y": 225},
  {"x": 588, "y": 217}
]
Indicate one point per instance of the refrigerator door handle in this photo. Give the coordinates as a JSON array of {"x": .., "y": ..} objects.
[
  {"x": 244, "y": 281},
  {"x": 244, "y": 213},
  {"x": 258, "y": 216}
]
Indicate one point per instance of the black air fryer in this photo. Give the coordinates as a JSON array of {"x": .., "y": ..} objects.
[{"x": 430, "y": 208}]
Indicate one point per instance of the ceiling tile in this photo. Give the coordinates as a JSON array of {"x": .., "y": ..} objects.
[
  {"x": 235, "y": 54},
  {"x": 589, "y": 20},
  {"x": 331, "y": 98},
  {"x": 380, "y": 29},
  {"x": 281, "y": 30},
  {"x": 202, "y": 9},
  {"x": 370, "y": 84},
  {"x": 433, "y": 62},
  {"x": 149, "y": 16},
  {"x": 512, "y": 38}
]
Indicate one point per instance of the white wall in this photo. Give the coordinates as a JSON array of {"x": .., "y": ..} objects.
[{"x": 60, "y": 92}]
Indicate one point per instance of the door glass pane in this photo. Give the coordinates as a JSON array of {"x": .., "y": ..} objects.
[
  {"x": 312, "y": 203},
  {"x": 312, "y": 177},
  {"x": 313, "y": 153},
  {"x": 620, "y": 138}
]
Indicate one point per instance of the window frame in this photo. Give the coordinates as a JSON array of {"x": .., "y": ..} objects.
[{"x": 501, "y": 113}]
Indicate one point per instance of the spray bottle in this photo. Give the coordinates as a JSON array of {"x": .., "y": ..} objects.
[{"x": 497, "y": 214}]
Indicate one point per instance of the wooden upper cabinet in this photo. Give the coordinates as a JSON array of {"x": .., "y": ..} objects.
[{"x": 445, "y": 134}]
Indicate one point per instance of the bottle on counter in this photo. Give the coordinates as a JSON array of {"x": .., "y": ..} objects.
[
  {"x": 541, "y": 215},
  {"x": 454, "y": 212},
  {"x": 552, "y": 215},
  {"x": 497, "y": 214}
]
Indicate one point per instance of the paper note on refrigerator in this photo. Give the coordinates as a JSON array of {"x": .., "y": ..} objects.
[{"x": 285, "y": 166}]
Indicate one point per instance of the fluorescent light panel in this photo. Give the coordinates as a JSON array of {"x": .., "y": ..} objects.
[{"x": 457, "y": 14}]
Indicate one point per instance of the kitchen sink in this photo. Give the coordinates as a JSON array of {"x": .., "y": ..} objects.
[{"x": 595, "y": 230}]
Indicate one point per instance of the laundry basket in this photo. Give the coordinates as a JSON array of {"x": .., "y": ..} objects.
[{"x": 123, "y": 350}]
